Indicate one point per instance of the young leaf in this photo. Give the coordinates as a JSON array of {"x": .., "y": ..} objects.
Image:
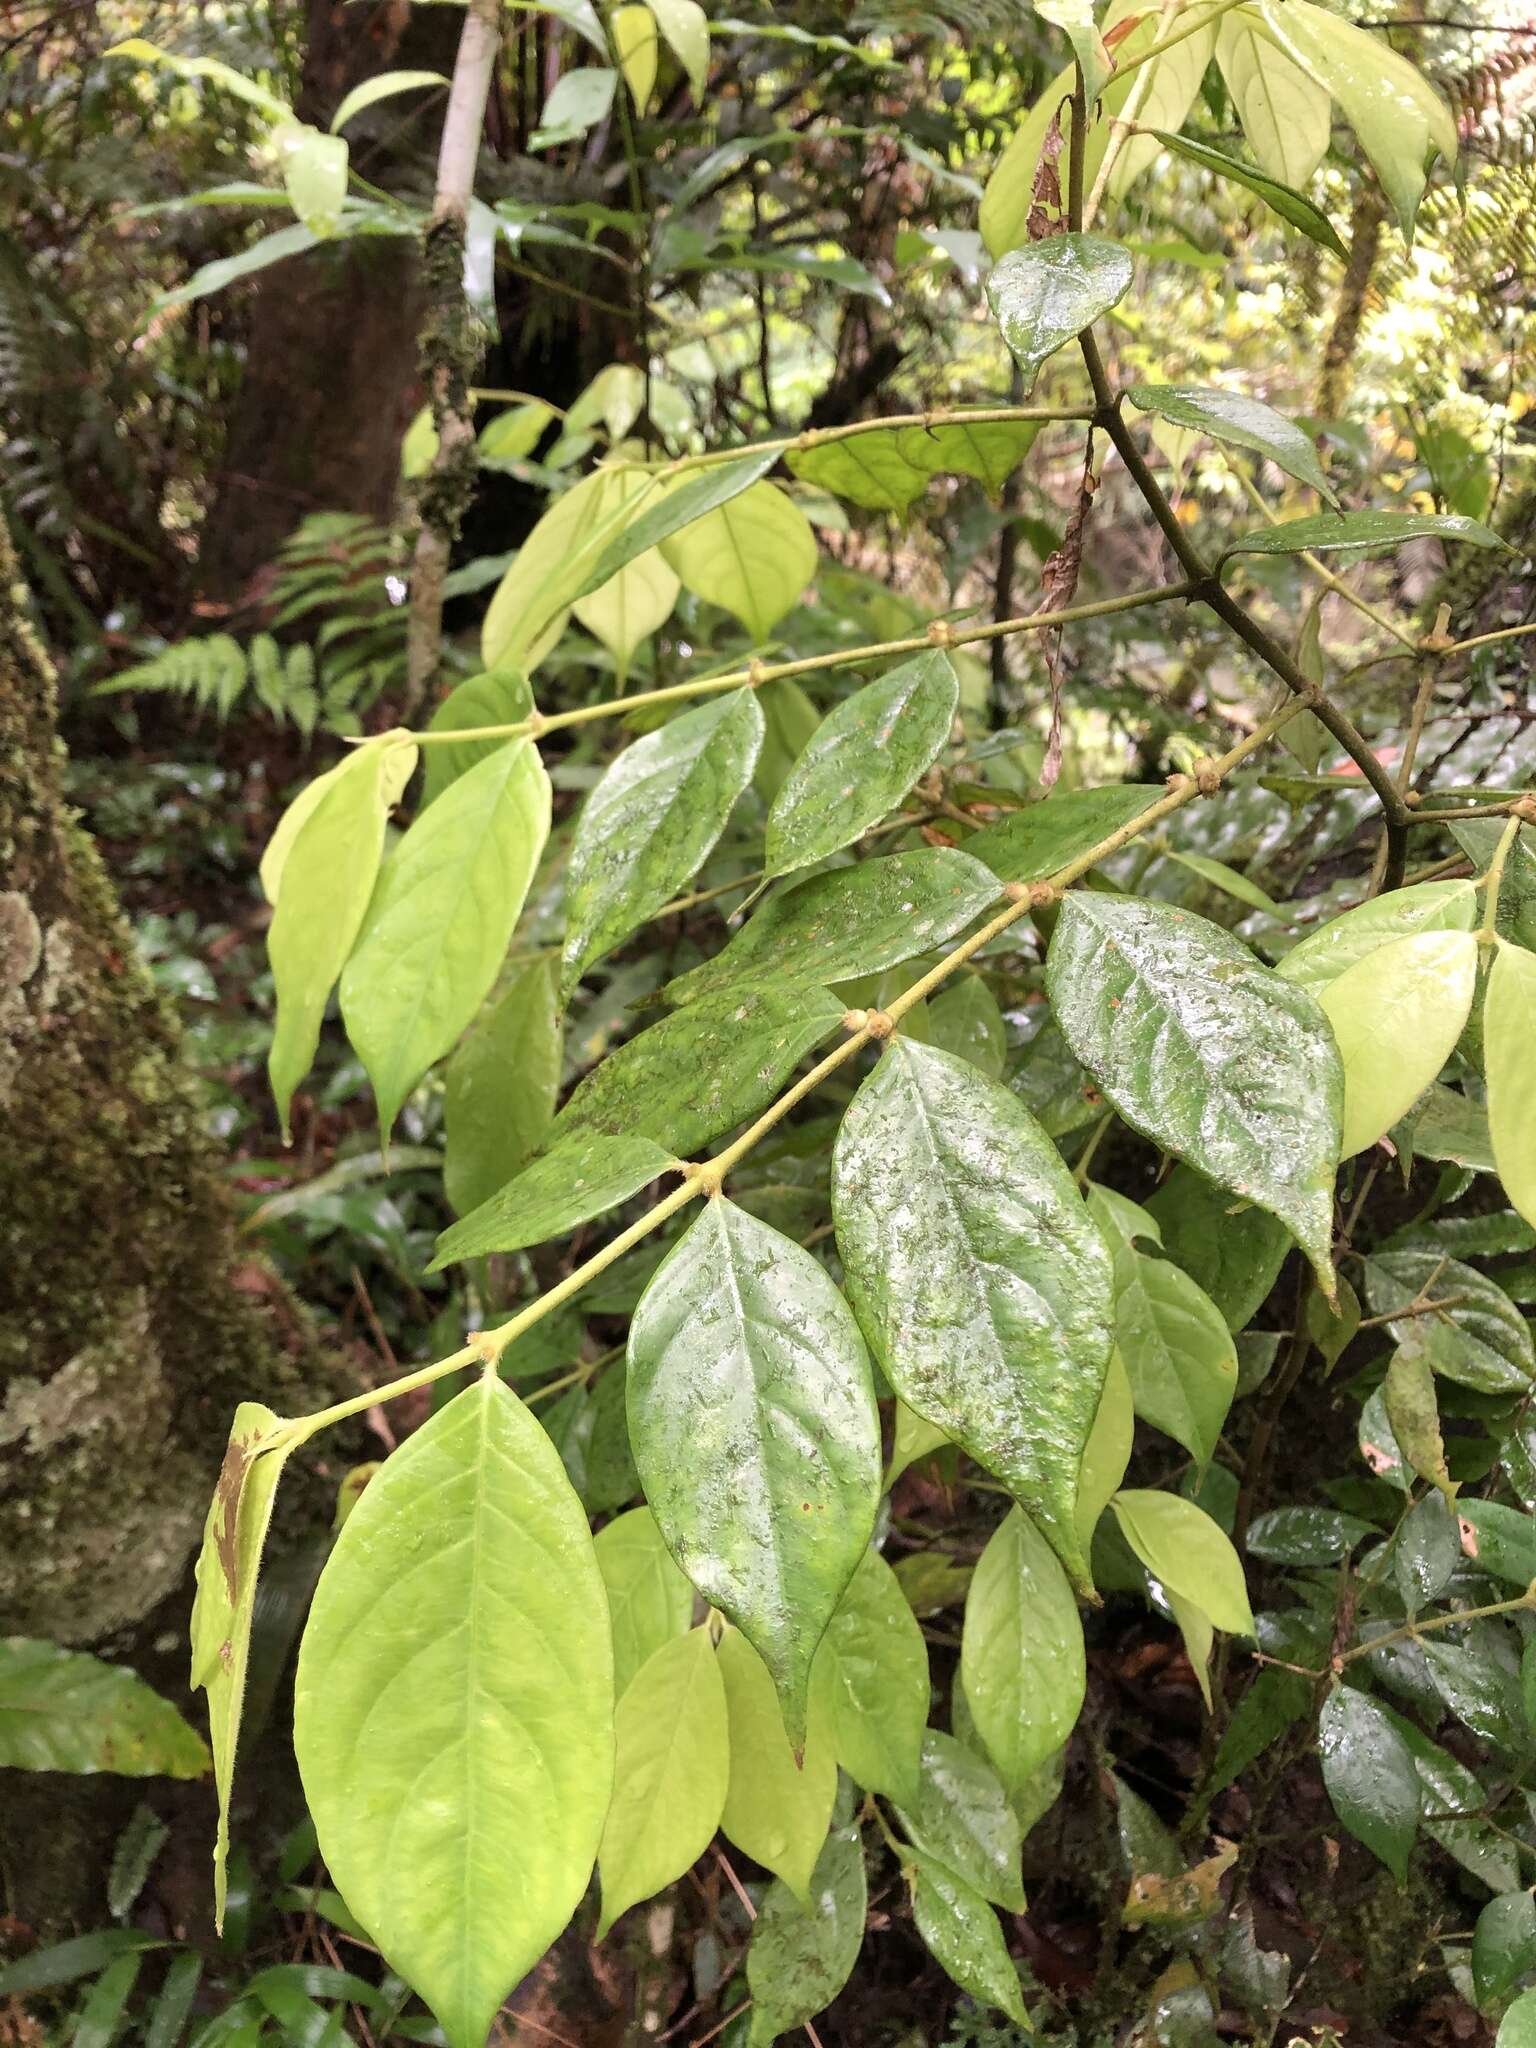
[
  {"x": 1396, "y": 1016},
  {"x": 1370, "y": 1776},
  {"x": 1047, "y": 292},
  {"x": 1022, "y": 1661},
  {"x": 633, "y": 604},
  {"x": 865, "y": 756},
  {"x": 1479, "y": 1340},
  {"x": 1245, "y": 422},
  {"x": 671, "y": 1766},
  {"x": 142, "y": 51},
  {"x": 961, "y": 1933},
  {"x": 62, "y": 1710},
  {"x": 1281, "y": 198},
  {"x": 799, "y": 1958},
  {"x": 498, "y": 697},
  {"x": 1108, "y": 1452},
  {"x": 1206, "y": 1052},
  {"x": 1230, "y": 1249},
  {"x": 501, "y": 1086},
  {"x": 454, "y": 1692},
  {"x": 1186, "y": 1552},
  {"x": 579, "y": 1177},
  {"x": 382, "y": 86},
  {"x": 753, "y": 1420},
  {"x": 634, "y": 36},
  {"x": 1360, "y": 533},
  {"x": 963, "y": 1820},
  {"x": 752, "y": 556},
  {"x": 1228, "y": 880},
  {"x": 1430, "y": 907},
  {"x": 320, "y": 872},
  {"x": 1509, "y": 1060},
  {"x": 1030, "y": 844},
  {"x": 777, "y": 1810},
  {"x": 314, "y": 167},
  {"x": 559, "y": 561},
  {"x": 1075, "y": 19},
  {"x": 873, "y": 1667},
  {"x": 441, "y": 917},
  {"x": 851, "y": 921},
  {"x": 649, "y": 1600},
  {"x": 977, "y": 1274},
  {"x": 650, "y": 823}
]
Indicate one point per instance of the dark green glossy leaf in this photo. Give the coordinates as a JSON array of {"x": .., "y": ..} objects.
[
  {"x": 501, "y": 1086},
  {"x": 864, "y": 757},
  {"x": 851, "y": 921},
  {"x": 1450, "y": 1788},
  {"x": 1503, "y": 1946},
  {"x": 1047, "y": 292},
  {"x": 873, "y": 1664},
  {"x": 1022, "y": 1661},
  {"x": 1275, "y": 1701},
  {"x": 1245, "y": 422},
  {"x": 1427, "y": 1551},
  {"x": 454, "y": 1691},
  {"x": 1231, "y": 1249},
  {"x": 1370, "y": 1775},
  {"x": 649, "y": 1600},
  {"x": 1476, "y": 1671},
  {"x": 440, "y": 919},
  {"x": 1291, "y": 205},
  {"x": 496, "y": 697},
  {"x": 978, "y": 1275},
  {"x": 777, "y": 1808},
  {"x": 1206, "y": 1052},
  {"x": 1305, "y": 1536},
  {"x": 671, "y": 1766},
  {"x": 967, "y": 1022},
  {"x": 1481, "y": 1340},
  {"x": 753, "y": 1420},
  {"x": 1361, "y": 533},
  {"x": 1039, "y": 840},
  {"x": 800, "y": 1959},
  {"x": 962, "y": 1934},
  {"x": 651, "y": 822},
  {"x": 66, "y": 1962},
  {"x": 581, "y": 1176},
  {"x": 63, "y": 1710},
  {"x": 962, "y": 1819}
]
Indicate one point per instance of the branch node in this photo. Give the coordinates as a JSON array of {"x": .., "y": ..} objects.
[
  {"x": 1178, "y": 785},
  {"x": 534, "y": 724},
  {"x": 1042, "y": 895},
  {"x": 878, "y": 1024},
  {"x": 1524, "y": 808},
  {"x": 485, "y": 1347},
  {"x": 704, "y": 1174},
  {"x": 1413, "y": 798},
  {"x": 1017, "y": 892},
  {"x": 855, "y": 1020},
  {"x": 757, "y": 673},
  {"x": 941, "y": 634},
  {"x": 1207, "y": 776}
]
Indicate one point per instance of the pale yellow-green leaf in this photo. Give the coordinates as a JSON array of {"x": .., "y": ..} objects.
[
  {"x": 395, "y": 771},
  {"x": 634, "y": 37},
  {"x": 1108, "y": 1451},
  {"x": 1284, "y": 111},
  {"x": 685, "y": 26},
  {"x": 1397, "y": 1015},
  {"x": 314, "y": 167},
  {"x": 1187, "y": 1553},
  {"x": 145, "y": 52},
  {"x": 1199, "y": 1634},
  {"x": 775, "y": 1812},
  {"x": 1509, "y": 1060},
  {"x": 753, "y": 557},
  {"x": 630, "y": 606}
]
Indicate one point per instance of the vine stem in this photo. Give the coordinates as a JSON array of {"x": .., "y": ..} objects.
[
  {"x": 1523, "y": 1602},
  {"x": 706, "y": 1177},
  {"x": 756, "y": 673}
]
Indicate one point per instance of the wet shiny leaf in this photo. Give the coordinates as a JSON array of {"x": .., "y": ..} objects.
[
  {"x": 1232, "y": 1250},
  {"x": 1186, "y": 1551},
  {"x": 1480, "y": 1339},
  {"x": 1244, "y": 422},
  {"x": 1022, "y": 1660},
  {"x": 1509, "y": 1059},
  {"x": 1430, "y": 907},
  {"x": 501, "y": 1086},
  {"x": 962, "y": 1934},
  {"x": 800, "y": 1958},
  {"x": 1047, "y": 292},
  {"x": 1370, "y": 1776},
  {"x": 873, "y": 1667},
  {"x": 962, "y": 1819}
]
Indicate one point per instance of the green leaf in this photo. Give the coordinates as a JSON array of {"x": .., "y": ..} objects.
[
  {"x": 649, "y": 1600},
  {"x": 752, "y": 556},
  {"x": 320, "y": 872},
  {"x": 142, "y": 51},
  {"x": 889, "y": 468},
  {"x": 578, "y": 101},
  {"x": 261, "y": 254},
  {"x": 1370, "y": 1776},
  {"x": 1205, "y": 1052},
  {"x": 1504, "y": 1948},
  {"x": 1399, "y": 120},
  {"x": 314, "y": 168},
  {"x": 873, "y": 1666},
  {"x": 1344, "y": 941},
  {"x": 962, "y": 1934},
  {"x": 228, "y": 1564},
  {"x": 382, "y": 86},
  {"x": 62, "y": 1710},
  {"x": 962, "y": 1819},
  {"x": 579, "y": 1177},
  {"x": 165, "y": 2024},
  {"x": 1187, "y": 1553},
  {"x": 498, "y": 697},
  {"x": 852, "y": 921},
  {"x": 978, "y": 1276},
  {"x": 1291, "y": 205},
  {"x": 800, "y": 1958},
  {"x": 1509, "y": 1060},
  {"x": 753, "y": 1420},
  {"x": 1359, "y": 533},
  {"x": 673, "y": 504},
  {"x": 134, "y": 1854},
  {"x": 558, "y": 563},
  {"x": 1396, "y": 1016},
  {"x": 865, "y": 756},
  {"x": 501, "y": 1086},
  {"x": 705, "y": 1070},
  {"x": 101, "y": 2017},
  {"x": 790, "y": 718},
  {"x": 1174, "y": 1343},
  {"x": 1228, "y": 880},
  {"x": 1022, "y": 1661},
  {"x": 1232, "y": 1250},
  {"x": 777, "y": 1811},
  {"x": 454, "y": 1693},
  {"x": 441, "y": 918},
  {"x": 685, "y": 26},
  {"x": 671, "y": 1765},
  {"x": 1245, "y": 422},
  {"x": 913, "y": 1439},
  {"x": 66, "y": 1962},
  {"x": 1481, "y": 1340},
  {"x": 651, "y": 822},
  {"x": 1478, "y": 1677},
  {"x": 632, "y": 604},
  {"x": 1517, "y": 2029},
  {"x": 1108, "y": 1452},
  {"x": 1285, "y": 113},
  {"x": 1043, "y": 838},
  {"x": 1427, "y": 1551},
  {"x": 1047, "y": 292},
  {"x": 1305, "y": 1536},
  {"x": 967, "y": 1022},
  {"x": 512, "y": 435}
]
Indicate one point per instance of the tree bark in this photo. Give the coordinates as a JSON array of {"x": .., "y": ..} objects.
[{"x": 1367, "y": 217}]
